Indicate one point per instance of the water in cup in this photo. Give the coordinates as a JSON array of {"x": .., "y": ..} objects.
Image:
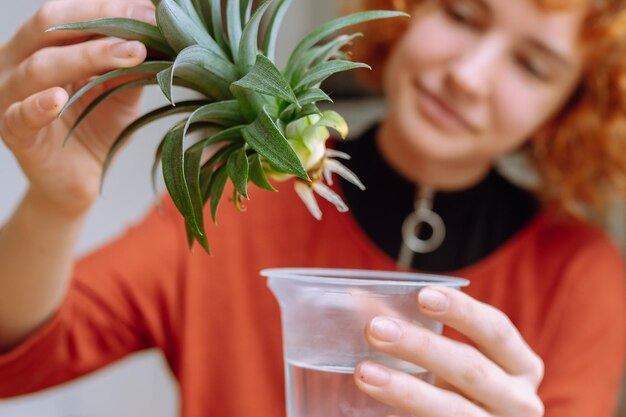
[{"x": 330, "y": 391}]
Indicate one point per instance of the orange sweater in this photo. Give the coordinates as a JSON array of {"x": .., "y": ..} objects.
[{"x": 562, "y": 284}]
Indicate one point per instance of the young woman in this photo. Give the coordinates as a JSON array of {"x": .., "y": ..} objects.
[{"x": 541, "y": 328}]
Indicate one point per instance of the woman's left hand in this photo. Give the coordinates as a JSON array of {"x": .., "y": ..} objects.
[{"x": 498, "y": 378}]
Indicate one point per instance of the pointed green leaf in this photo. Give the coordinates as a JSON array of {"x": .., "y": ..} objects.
[
  {"x": 319, "y": 55},
  {"x": 331, "y": 49},
  {"x": 307, "y": 110},
  {"x": 150, "y": 117},
  {"x": 273, "y": 27},
  {"x": 327, "y": 29},
  {"x": 173, "y": 167},
  {"x": 307, "y": 99},
  {"x": 181, "y": 31},
  {"x": 265, "y": 78},
  {"x": 216, "y": 23},
  {"x": 257, "y": 174},
  {"x": 209, "y": 72},
  {"x": 192, "y": 13},
  {"x": 192, "y": 162},
  {"x": 222, "y": 113},
  {"x": 231, "y": 135},
  {"x": 324, "y": 70},
  {"x": 248, "y": 47},
  {"x": 218, "y": 158},
  {"x": 123, "y": 28},
  {"x": 233, "y": 25},
  {"x": 250, "y": 102},
  {"x": 246, "y": 11},
  {"x": 313, "y": 95},
  {"x": 106, "y": 95},
  {"x": 203, "y": 9},
  {"x": 191, "y": 237},
  {"x": 238, "y": 169},
  {"x": 148, "y": 68},
  {"x": 216, "y": 189},
  {"x": 264, "y": 137}
]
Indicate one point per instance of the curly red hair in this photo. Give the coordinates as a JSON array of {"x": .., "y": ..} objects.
[{"x": 580, "y": 155}]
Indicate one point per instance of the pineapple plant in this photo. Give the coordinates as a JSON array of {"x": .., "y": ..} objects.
[{"x": 257, "y": 122}]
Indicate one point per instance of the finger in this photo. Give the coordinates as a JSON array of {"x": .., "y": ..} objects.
[
  {"x": 410, "y": 394},
  {"x": 65, "y": 65},
  {"x": 491, "y": 330},
  {"x": 22, "y": 121},
  {"x": 463, "y": 366},
  {"x": 32, "y": 36}
]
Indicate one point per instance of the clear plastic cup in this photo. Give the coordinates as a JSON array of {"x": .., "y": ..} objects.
[{"x": 324, "y": 313}]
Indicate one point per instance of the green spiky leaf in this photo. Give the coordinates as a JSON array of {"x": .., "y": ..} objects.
[
  {"x": 209, "y": 72},
  {"x": 248, "y": 47},
  {"x": 328, "y": 28},
  {"x": 173, "y": 166},
  {"x": 251, "y": 102},
  {"x": 246, "y": 11},
  {"x": 264, "y": 137},
  {"x": 319, "y": 55},
  {"x": 265, "y": 78},
  {"x": 307, "y": 110},
  {"x": 271, "y": 33},
  {"x": 257, "y": 173},
  {"x": 238, "y": 169},
  {"x": 123, "y": 28},
  {"x": 192, "y": 12},
  {"x": 105, "y": 96},
  {"x": 216, "y": 24},
  {"x": 203, "y": 8},
  {"x": 233, "y": 134},
  {"x": 222, "y": 113},
  {"x": 144, "y": 120},
  {"x": 147, "y": 68},
  {"x": 192, "y": 179},
  {"x": 233, "y": 25},
  {"x": 324, "y": 70},
  {"x": 181, "y": 31},
  {"x": 216, "y": 189},
  {"x": 307, "y": 100}
]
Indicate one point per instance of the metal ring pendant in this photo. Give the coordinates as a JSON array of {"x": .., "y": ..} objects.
[{"x": 412, "y": 226}]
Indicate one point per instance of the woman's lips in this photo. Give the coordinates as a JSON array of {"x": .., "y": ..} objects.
[{"x": 440, "y": 113}]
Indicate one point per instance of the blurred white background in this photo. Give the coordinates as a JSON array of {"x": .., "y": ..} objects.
[{"x": 140, "y": 385}]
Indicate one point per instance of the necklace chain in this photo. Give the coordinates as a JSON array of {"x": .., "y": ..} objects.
[{"x": 423, "y": 214}]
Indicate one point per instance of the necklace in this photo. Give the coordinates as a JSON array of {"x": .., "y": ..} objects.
[{"x": 412, "y": 227}]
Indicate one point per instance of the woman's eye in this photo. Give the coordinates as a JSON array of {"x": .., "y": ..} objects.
[
  {"x": 463, "y": 13},
  {"x": 533, "y": 67}
]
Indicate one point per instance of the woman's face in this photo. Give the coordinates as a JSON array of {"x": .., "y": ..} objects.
[{"x": 473, "y": 79}]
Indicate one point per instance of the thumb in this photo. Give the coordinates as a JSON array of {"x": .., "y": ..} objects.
[{"x": 23, "y": 120}]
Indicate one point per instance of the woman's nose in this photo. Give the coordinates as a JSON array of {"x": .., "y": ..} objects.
[{"x": 472, "y": 73}]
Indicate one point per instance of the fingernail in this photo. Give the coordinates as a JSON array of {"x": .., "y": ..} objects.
[
  {"x": 385, "y": 329},
  {"x": 125, "y": 50},
  {"x": 143, "y": 13},
  {"x": 374, "y": 375},
  {"x": 48, "y": 101},
  {"x": 433, "y": 300}
]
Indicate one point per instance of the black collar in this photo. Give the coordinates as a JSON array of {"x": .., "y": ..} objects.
[{"x": 478, "y": 220}]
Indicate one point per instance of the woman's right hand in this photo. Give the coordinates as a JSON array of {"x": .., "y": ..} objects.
[{"x": 36, "y": 71}]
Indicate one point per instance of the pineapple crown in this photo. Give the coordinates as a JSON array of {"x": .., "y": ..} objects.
[{"x": 262, "y": 122}]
